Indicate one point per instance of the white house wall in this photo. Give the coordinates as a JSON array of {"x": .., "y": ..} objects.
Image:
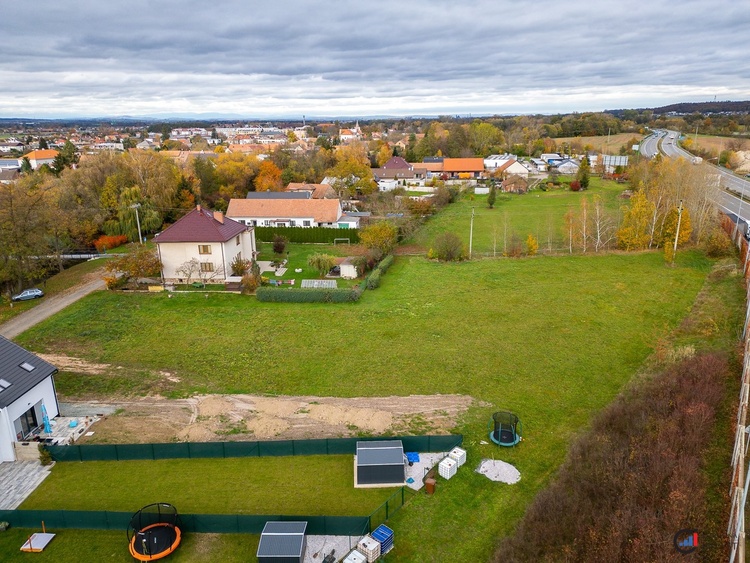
[
  {"x": 174, "y": 254},
  {"x": 43, "y": 392}
]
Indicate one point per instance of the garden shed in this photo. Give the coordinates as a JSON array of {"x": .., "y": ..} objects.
[
  {"x": 282, "y": 542},
  {"x": 380, "y": 463},
  {"x": 348, "y": 269}
]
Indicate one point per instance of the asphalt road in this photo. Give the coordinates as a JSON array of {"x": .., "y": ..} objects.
[
  {"x": 728, "y": 180},
  {"x": 48, "y": 307}
]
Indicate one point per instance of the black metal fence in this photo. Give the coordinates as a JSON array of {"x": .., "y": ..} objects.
[{"x": 187, "y": 450}]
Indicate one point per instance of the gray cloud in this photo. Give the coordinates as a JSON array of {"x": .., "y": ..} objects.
[{"x": 293, "y": 57}]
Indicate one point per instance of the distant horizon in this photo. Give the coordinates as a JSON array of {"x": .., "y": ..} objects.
[{"x": 332, "y": 117}]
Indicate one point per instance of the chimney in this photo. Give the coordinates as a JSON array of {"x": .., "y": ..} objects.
[
  {"x": 198, "y": 208},
  {"x": 219, "y": 216}
]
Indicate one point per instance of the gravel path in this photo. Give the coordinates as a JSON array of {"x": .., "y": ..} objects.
[
  {"x": 48, "y": 307},
  {"x": 496, "y": 470}
]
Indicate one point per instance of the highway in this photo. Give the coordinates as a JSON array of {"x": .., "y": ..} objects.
[{"x": 737, "y": 202}]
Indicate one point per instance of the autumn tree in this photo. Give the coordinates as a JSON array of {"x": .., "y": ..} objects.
[
  {"x": 634, "y": 231},
  {"x": 532, "y": 245},
  {"x": 381, "y": 236},
  {"x": 235, "y": 173},
  {"x": 268, "y": 178},
  {"x": 352, "y": 170},
  {"x": 142, "y": 262},
  {"x": 384, "y": 154}
]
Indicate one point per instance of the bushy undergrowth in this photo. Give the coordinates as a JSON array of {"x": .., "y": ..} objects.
[{"x": 634, "y": 480}]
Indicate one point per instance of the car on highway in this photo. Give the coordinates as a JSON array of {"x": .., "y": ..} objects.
[{"x": 27, "y": 294}]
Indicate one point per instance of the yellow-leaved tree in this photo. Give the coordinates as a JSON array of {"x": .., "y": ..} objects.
[{"x": 634, "y": 233}]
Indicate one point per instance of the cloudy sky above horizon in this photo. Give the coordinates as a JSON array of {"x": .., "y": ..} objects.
[{"x": 290, "y": 58}]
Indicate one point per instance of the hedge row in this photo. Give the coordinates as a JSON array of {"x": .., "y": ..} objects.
[
  {"x": 288, "y": 295},
  {"x": 373, "y": 280},
  {"x": 324, "y": 235}
]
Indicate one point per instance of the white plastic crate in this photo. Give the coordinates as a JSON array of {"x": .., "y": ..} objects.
[
  {"x": 355, "y": 557},
  {"x": 459, "y": 455},
  {"x": 447, "y": 468},
  {"x": 369, "y": 547}
]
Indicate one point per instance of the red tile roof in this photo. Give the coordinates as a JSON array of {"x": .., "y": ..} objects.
[
  {"x": 321, "y": 210},
  {"x": 463, "y": 165},
  {"x": 200, "y": 225}
]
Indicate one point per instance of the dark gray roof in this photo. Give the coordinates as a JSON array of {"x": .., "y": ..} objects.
[
  {"x": 282, "y": 539},
  {"x": 300, "y": 194},
  {"x": 14, "y": 379},
  {"x": 380, "y": 452}
]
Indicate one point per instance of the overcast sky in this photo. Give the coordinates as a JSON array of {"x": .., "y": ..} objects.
[{"x": 357, "y": 58}]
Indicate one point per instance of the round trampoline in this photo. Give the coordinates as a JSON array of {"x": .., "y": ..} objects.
[
  {"x": 154, "y": 532},
  {"x": 505, "y": 429}
]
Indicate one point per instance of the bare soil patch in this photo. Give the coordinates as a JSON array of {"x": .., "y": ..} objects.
[
  {"x": 249, "y": 417},
  {"x": 77, "y": 365}
]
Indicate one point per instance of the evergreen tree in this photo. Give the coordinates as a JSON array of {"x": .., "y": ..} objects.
[
  {"x": 584, "y": 172},
  {"x": 491, "y": 197}
]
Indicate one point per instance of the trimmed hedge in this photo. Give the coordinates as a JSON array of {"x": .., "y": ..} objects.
[
  {"x": 386, "y": 263},
  {"x": 373, "y": 280},
  {"x": 307, "y": 234},
  {"x": 286, "y": 295}
]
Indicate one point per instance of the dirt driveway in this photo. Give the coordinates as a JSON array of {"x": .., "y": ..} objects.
[{"x": 48, "y": 307}]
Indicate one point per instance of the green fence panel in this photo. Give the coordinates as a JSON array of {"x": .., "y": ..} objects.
[
  {"x": 311, "y": 447},
  {"x": 241, "y": 449},
  {"x": 276, "y": 448},
  {"x": 210, "y": 523},
  {"x": 99, "y": 453},
  {"x": 177, "y": 450},
  {"x": 134, "y": 451},
  {"x": 206, "y": 449},
  {"x": 65, "y": 453},
  {"x": 342, "y": 445},
  {"x": 253, "y": 523}
]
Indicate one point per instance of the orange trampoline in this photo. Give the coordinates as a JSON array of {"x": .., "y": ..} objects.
[{"x": 154, "y": 532}]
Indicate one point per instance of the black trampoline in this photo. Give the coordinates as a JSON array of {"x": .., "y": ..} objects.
[
  {"x": 154, "y": 532},
  {"x": 505, "y": 429}
]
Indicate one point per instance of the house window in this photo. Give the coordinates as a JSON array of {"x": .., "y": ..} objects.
[
  {"x": 204, "y": 249},
  {"x": 238, "y": 240},
  {"x": 292, "y": 224},
  {"x": 267, "y": 223},
  {"x": 305, "y": 223},
  {"x": 207, "y": 266}
]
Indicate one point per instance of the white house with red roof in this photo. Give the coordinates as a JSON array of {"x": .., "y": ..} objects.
[
  {"x": 40, "y": 157},
  {"x": 210, "y": 239}
]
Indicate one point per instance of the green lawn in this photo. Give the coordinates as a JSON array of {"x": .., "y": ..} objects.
[
  {"x": 552, "y": 338},
  {"x": 297, "y": 259},
  {"x": 538, "y": 212},
  {"x": 111, "y": 545},
  {"x": 307, "y": 485}
]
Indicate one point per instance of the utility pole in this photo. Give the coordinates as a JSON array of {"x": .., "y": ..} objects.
[
  {"x": 137, "y": 221},
  {"x": 677, "y": 234},
  {"x": 471, "y": 232}
]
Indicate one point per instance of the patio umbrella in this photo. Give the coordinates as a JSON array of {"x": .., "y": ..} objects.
[{"x": 45, "y": 418}]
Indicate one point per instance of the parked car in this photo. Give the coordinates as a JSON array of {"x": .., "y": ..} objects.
[{"x": 27, "y": 294}]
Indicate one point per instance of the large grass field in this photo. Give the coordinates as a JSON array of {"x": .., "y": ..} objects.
[
  {"x": 552, "y": 338},
  {"x": 540, "y": 213}
]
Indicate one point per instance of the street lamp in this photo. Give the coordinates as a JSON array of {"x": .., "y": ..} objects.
[{"x": 137, "y": 221}]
